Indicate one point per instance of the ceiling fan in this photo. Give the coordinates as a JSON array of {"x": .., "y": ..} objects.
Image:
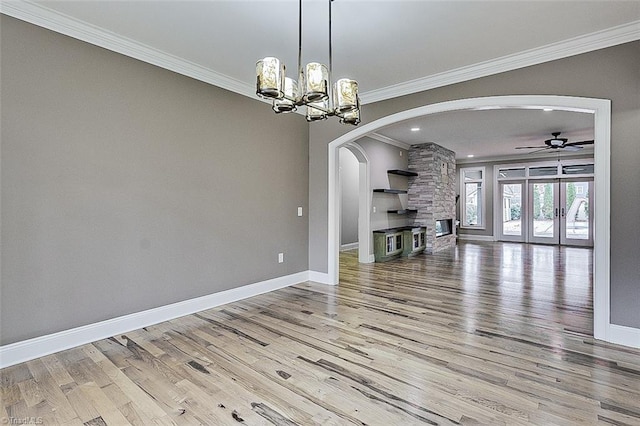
[{"x": 558, "y": 143}]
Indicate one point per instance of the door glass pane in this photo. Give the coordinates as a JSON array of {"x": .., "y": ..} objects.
[
  {"x": 576, "y": 210},
  {"x": 512, "y": 209},
  {"x": 543, "y": 210}
]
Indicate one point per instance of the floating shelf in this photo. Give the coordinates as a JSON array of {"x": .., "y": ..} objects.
[
  {"x": 391, "y": 191},
  {"x": 403, "y": 211},
  {"x": 402, "y": 172}
]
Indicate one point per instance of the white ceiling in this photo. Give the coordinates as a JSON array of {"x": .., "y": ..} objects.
[
  {"x": 492, "y": 134},
  {"x": 391, "y": 47}
]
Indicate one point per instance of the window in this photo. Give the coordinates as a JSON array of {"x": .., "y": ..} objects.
[
  {"x": 511, "y": 173},
  {"x": 543, "y": 171},
  {"x": 472, "y": 194},
  {"x": 578, "y": 169}
]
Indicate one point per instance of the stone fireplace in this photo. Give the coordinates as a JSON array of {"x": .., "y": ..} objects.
[{"x": 433, "y": 193}]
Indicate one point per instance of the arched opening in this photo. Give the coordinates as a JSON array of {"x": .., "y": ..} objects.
[
  {"x": 600, "y": 108},
  {"x": 364, "y": 238}
]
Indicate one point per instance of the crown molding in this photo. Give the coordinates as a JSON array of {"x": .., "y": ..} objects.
[
  {"x": 574, "y": 46},
  {"x": 58, "y": 22},
  {"x": 388, "y": 140}
]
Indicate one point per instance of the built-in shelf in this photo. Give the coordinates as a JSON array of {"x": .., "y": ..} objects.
[
  {"x": 391, "y": 191},
  {"x": 402, "y": 172},
  {"x": 403, "y": 211}
]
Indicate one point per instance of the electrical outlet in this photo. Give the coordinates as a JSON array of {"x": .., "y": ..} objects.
[
  {"x": 374, "y": 209},
  {"x": 280, "y": 257}
]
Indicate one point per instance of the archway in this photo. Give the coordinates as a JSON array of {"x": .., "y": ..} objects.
[
  {"x": 365, "y": 242},
  {"x": 600, "y": 108}
]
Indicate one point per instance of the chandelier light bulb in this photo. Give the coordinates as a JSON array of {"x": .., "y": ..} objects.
[
  {"x": 316, "y": 82},
  {"x": 352, "y": 117},
  {"x": 317, "y": 111},
  {"x": 270, "y": 78},
  {"x": 345, "y": 95},
  {"x": 288, "y": 102}
]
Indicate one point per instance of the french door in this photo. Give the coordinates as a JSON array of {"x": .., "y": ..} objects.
[
  {"x": 514, "y": 213},
  {"x": 559, "y": 213},
  {"x": 576, "y": 207}
]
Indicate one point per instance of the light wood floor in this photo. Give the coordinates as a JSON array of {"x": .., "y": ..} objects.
[{"x": 487, "y": 334}]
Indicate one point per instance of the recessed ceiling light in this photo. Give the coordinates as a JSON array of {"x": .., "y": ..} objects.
[
  {"x": 415, "y": 129},
  {"x": 470, "y": 155}
]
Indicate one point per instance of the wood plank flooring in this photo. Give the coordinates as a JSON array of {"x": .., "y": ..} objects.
[{"x": 491, "y": 333}]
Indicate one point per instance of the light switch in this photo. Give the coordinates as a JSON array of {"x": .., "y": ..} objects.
[{"x": 300, "y": 211}]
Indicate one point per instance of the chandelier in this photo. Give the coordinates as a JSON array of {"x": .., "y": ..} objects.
[{"x": 311, "y": 89}]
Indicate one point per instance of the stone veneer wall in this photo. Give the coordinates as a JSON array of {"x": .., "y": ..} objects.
[{"x": 433, "y": 191}]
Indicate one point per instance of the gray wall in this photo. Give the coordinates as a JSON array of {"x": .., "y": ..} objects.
[
  {"x": 382, "y": 157},
  {"x": 127, "y": 187},
  {"x": 349, "y": 190},
  {"x": 612, "y": 73}
]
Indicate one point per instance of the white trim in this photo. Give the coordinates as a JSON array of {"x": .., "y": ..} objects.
[
  {"x": 517, "y": 158},
  {"x": 601, "y": 108},
  {"x": 471, "y": 237},
  {"x": 390, "y": 141},
  {"x": 26, "y": 350},
  {"x": 64, "y": 24},
  {"x": 622, "y": 335},
  {"x": 349, "y": 246},
  {"x": 563, "y": 49},
  {"x": 320, "y": 277},
  {"x": 365, "y": 237}
]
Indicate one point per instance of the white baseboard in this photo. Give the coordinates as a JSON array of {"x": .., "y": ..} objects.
[
  {"x": 320, "y": 277},
  {"x": 350, "y": 246},
  {"x": 621, "y": 335},
  {"x": 470, "y": 237},
  {"x": 26, "y": 350}
]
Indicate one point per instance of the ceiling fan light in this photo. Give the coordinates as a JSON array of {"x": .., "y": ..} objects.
[
  {"x": 288, "y": 102},
  {"x": 270, "y": 78},
  {"x": 345, "y": 95},
  {"x": 317, "y": 111},
  {"x": 315, "y": 82}
]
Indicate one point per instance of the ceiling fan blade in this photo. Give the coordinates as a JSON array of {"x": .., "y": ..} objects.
[
  {"x": 530, "y": 147},
  {"x": 570, "y": 147},
  {"x": 543, "y": 149},
  {"x": 579, "y": 143}
]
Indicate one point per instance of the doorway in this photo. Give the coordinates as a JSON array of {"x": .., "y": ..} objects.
[
  {"x": 559, "y": 213},
  {"x": 601, "y": 108}
]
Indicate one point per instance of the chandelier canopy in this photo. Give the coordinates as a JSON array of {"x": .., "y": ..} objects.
[{"x": 311, "y": 89}]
